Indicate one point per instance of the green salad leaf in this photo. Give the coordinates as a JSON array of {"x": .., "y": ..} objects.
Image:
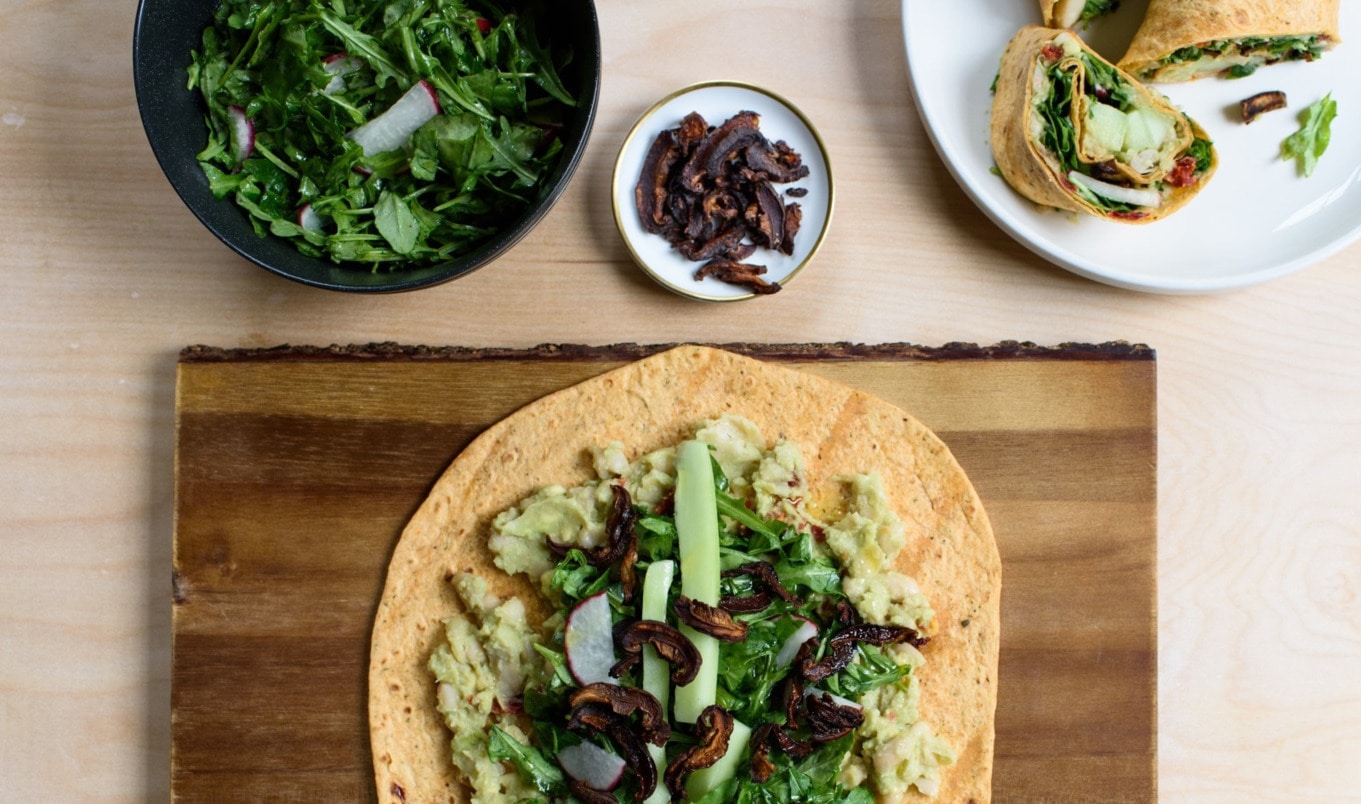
[
  {"x": 303, "y": 74},
  {"x": 1308, "y": 144},
  {"x": 1097, "y": 8},
  {"x": 546, "y": 777}
]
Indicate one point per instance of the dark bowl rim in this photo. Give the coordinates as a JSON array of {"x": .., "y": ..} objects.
[{"x": 430, "y": 276}]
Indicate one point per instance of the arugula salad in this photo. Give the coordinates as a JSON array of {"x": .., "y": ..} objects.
[
  {"x": 719, "y": 637},
  {"x": 379, "y": 135}
]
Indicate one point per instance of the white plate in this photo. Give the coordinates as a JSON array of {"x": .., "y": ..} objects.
[
  {"x": 1256, "y": 219},
  {"x": 717, "y": 101}
]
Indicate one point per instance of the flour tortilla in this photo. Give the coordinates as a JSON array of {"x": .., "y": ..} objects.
[
  {"x": 1170, "y": 25},
  {"x": 1027, "y": 165},
  {"x": 647, "y": 405}
]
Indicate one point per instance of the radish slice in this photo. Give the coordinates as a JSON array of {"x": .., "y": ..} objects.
[
  {"x": 592, "y": 765},
  {"x": 309, "y": 219},
  {"x": 588, "y": 641},
  {"x": 806, "y": 631},
  {"x": 242, "y": 134},
  {"x": 391, "y": 129},
  {"x": 1114, "y": 192},
  {"x": 338, "y": 66}
]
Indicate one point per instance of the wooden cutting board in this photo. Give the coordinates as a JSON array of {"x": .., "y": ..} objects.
[{"x": 297, "y": 468}]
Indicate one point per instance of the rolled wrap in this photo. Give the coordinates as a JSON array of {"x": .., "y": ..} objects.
[
  {"x": 1180, "y": 40},
  {"x": 1164, "y": 178}
]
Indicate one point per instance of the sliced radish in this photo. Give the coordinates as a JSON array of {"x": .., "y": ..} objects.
[
  {"x": 338, "y": 66},
  {"x": 806, "y": 631},
  {"x": 588, "y": 641},
  {"x": 309, "y": 219},
  {"x": 391, "y": 129},
  {"x": 242, "y": 133},
  {"x": 1114, "y": 192},
  {"x": 592, "y": 765}
]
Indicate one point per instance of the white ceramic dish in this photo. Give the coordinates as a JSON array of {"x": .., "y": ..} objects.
[
  {"x": 1255, "y": 221},
  {"x": 717, "y": 101}
]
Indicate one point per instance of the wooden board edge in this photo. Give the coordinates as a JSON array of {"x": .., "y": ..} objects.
[{"x": 839, "y": 351}]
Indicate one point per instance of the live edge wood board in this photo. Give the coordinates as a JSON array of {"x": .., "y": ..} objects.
[{"x": 296, "y": 469}]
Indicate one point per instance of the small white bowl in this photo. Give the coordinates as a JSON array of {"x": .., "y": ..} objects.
[{"x": 717, "y": 101}]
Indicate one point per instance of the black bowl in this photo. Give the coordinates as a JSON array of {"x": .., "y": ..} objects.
[{"x": 173, "y": 116}]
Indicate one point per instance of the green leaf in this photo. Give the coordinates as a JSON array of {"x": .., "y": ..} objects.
[
  {"x": 656, "y": 536},
  {"x": 1308, "y": 144},
  {"x": 576, "y": 578},
  {"x": 396, "y": 223},
  {"x": 546, "y": 777}
]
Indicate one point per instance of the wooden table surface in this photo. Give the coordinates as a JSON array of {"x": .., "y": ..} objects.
[{"x": 107, "y": 276}]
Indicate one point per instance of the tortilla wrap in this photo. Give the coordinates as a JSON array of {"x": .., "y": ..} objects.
[
  {"x": 1016, "y": 130},
  {"x": 647, "y": 405},
  {"x": 1170, "y": 25}
]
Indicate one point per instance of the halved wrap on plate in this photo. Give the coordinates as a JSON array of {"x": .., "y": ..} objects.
[
  {"x": 647, "y": 405},
  {"x": 1070, "y": 13},
  {"x": 1069, "y": 130},
  {"x": 1181, "y": 40}
]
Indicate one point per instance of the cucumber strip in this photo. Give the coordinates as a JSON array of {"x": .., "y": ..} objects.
[
  {"x": 697, "y": 529},
  {"x": 706, "y": 779},
  {"x": 656, "y": 672}
]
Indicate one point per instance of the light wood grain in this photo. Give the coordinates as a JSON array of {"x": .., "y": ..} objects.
[{"x": 107, "y": 276}]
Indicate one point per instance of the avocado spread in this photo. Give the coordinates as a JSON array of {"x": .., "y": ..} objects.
[{"x": 495, "y": 663}]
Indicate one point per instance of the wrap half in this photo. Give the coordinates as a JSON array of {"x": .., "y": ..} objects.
[
  {"x": 1070, "y": 130},
  {"x": 1071, "y": 13},
  {"x": 1181, "y": 40}
]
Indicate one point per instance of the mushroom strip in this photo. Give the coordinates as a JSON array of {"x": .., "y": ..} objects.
[
  {"x": 673, "y": 646},
  {"x": 829, "y": 720},
  {"x": 1261, "y": 103},
  {"x": 713, "y": 730},
  {"x": 710, "y": 620},
  {"x": 589, "y": 794},
  {"x": 593, "y": 717},
  {"x": 621, "y": 545},
  {"x": 745, "y": 604},
  {"x": 624, "y": 701},
  {"x": 764, "y": 739},
  {"x": 738, "y": 273},
  {"x": 841, "y": 649},
  {"x": 766, "y": 581}
]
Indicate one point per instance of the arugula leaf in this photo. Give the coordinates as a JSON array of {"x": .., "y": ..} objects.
[
  {"x": 656, "y": 536},
  {"x": 875, "y": 669},
  {"x": 1059, "y": 136},
  {"x": 576, "y": 578},
  {"x": 737, "y": 510},
  {"x": 1308, "y": 144},
  {"x": 462, "y": 178},
  {"x": 546, "y": 777},
  {"x": 1096, "y": 8},
  {"x": 396, "y": 223}
]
